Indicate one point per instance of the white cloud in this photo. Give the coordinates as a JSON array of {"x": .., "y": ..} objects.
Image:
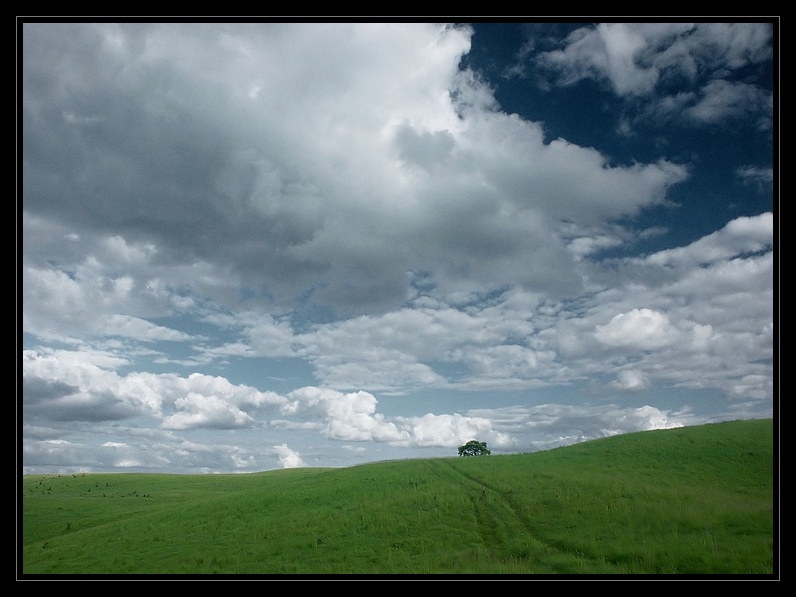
[
  {"x": 720, "y": 100},
  {"x": 740, "y": 236},
  {"x": 315, "y": 197},
  {"x": 453, "y": 430},
  {"x": 584, "y": 246},
  {"x": 288, "y": 458},
  {"x": 510, "y": 341},
  {"x": 347, "y": 417},
  {"x": 73, "y": 385},
  {"x": 635, "y": 56},
  {"x": 197, "y": 410},
  {"x": 763, "y": 176},
  {"x": 618, "y": 52},
  {"x": 638, "y": 59},
  {"x": 538, "y": 427},
  {"x": 632, "y": 380},
  {"x": 222, "y": 197},
  {"x": 644, "y": 329},
  {"x": 87, "y": 296},
  {"x": 353, "y": 417},
  {"x": 134, "y": 327},
  {"x": 622, "y": 45}
]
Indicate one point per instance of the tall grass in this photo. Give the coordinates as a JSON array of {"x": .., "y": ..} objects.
[{"x": 691, "y": 501}]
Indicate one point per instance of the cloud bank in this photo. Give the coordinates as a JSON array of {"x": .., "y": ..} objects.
[{"x": 203, "y": 198}]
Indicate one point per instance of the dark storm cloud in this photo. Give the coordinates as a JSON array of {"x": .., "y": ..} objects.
[
  {"x": 37, "y": 391},
  {"x": 122, "y": 145},
  {"x": 55, "y": 401},
  {"x": 181, "y": 137}
]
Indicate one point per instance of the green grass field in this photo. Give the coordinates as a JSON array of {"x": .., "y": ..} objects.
[{"x": 688, "y": 501}]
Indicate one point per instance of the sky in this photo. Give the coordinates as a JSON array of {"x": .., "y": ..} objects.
[{"x": 248, "y": 246}]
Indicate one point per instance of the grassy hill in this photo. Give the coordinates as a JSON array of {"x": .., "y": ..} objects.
[{"x": 695, "y": 500}]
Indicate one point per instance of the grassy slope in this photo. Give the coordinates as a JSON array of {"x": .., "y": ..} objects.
[{"x": 694, "y": 500}]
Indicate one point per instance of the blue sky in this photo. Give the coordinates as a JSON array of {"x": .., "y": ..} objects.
[{"x": 252, "y": 246}]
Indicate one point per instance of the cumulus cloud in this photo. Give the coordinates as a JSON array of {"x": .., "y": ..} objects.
[
  {"x": 354, "y": 417},
  {"x": 632, "y": 380},
  {"x": 288, "y": 458},
  {"x": 512, "y": 340},
  {"x": 644, "y": 329},
  {"x": 84, "y": 386},
  {"x": 312, "y": 198},
  {"x": 221, "y": 197},
  {"x": 454, "y": 430},
  {"x": 88, "y": 393},
  {"x": 197, "y": 410},
  {"x": 538, "y": 425}
]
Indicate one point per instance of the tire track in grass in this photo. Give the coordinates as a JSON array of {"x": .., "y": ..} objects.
[
  {"x": 499, "y": 520},
  {"x": 494, "y": 514}
]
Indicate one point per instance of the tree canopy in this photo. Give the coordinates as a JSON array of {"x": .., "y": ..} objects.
[{"x": 474, "y": 448}]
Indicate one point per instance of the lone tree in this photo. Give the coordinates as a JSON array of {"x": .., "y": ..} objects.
[{"x": 474, "y": 448}]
